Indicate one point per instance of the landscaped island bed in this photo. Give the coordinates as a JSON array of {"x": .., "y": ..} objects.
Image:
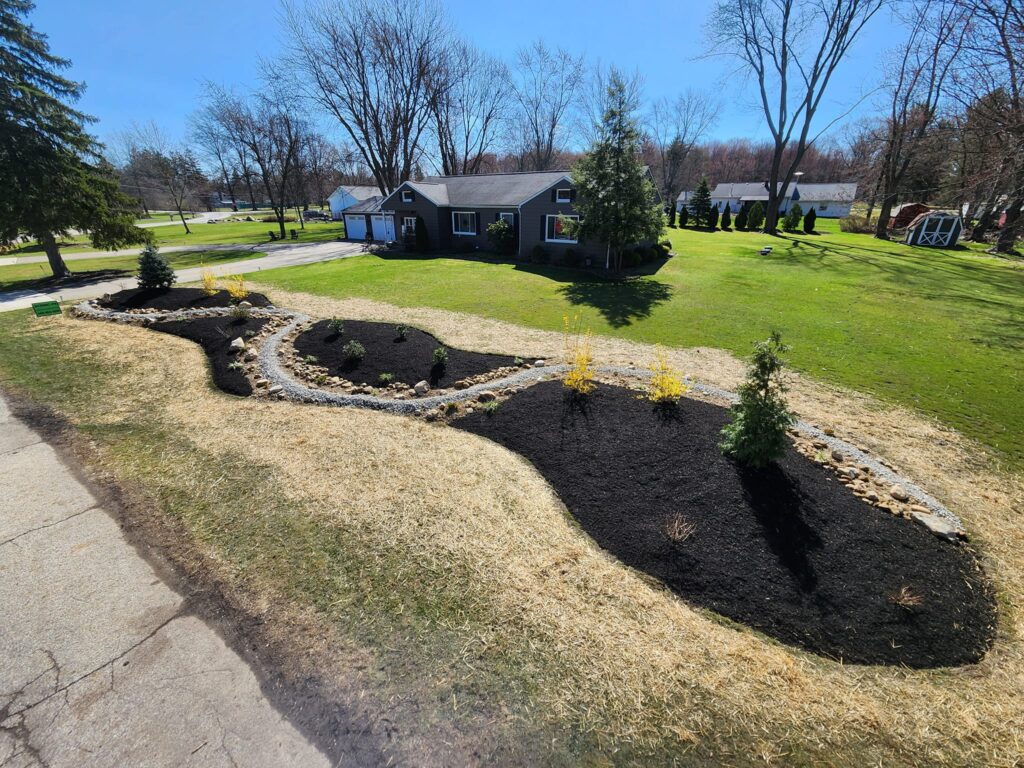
[
  {"x": 214, "y": 335},
  {"x": 409, "y": 360},
  {"x": 787, "y": 550},
  {"x": 167, "y": 299}
]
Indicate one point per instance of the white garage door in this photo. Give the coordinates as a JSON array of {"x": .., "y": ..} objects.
[
  {"x": 383, "y": 228},
  {"x": 355, "y": 227}
]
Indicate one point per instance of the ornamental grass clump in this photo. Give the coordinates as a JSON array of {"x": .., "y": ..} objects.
[
  {"x": 666, "y": 384},
  {"x": 209, "y": 282},
  {"x": 578, "y": 380},
  {"x": 756, "y": 436}
]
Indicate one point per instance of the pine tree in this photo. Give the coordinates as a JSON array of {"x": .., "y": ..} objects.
[
  {"x": 713, "y": 217},
  {"x": 154, "y": 271},
  {"x": 726, "y": 217},
  {"x": 755, "y": 219},
  {"x": 741, "y": 219},
  {"x": 616, "y": 199},
  {"x": 810, "y": 219},
  {"x": 684, "y": 215},
  {"x": 700, "y": 204},
  {"x": 54, "y": 178}
]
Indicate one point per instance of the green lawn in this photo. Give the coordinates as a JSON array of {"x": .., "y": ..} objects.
[
  {"x": 240, "y": 232},
  {"x": 941, "y": 331},
  {"x": 38, "y": 276}
]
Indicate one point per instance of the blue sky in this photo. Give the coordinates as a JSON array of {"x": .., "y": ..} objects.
[{"x": 147, "y": 60}]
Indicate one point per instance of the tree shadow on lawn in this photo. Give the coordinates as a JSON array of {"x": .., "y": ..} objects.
[
  {"x": 620, "y": 302},
  {"x": 50, "y": 283}
]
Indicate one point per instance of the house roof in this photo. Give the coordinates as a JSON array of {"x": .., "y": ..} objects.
[
  {"x": 837, "y": 192},
  {"x": 756, "y": 190},
  {"x": 357, "y": 191},
  {"x": 369, "y": 205},
  {"x": 487, "y": 189}
]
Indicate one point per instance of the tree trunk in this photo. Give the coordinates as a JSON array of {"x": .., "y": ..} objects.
[
  {"x": 57, "y": 265},
  {"x": 984, "y": 222},
  {"x": 280, "y": 220},
  {"x": 302, "y": 223},
  {"x": 185, "y": 223},
  {"x": 1008, "y": 234},
  {"x": 882, "y": 225},
  {"x": 248, "y": 185}
]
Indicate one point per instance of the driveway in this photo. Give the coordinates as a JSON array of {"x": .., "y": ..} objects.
[
  {"x": 278, "y": 255},
  {"x": 200, "y": 218}
]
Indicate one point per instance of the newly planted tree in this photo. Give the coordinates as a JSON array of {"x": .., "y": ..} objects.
[
  {"x": 54, "y": 178},
  {"x": 154, "y": 271},
  {"x": 616, "y": 199},
  {"x": 755, "y": 219},
  {"x": 810, "y": 219},
  {"x": 756, "y": 436},
  {"x": 741, "y": 219},
  {"x": 726, "y": 220},
  {"x": 791, "y": 222}
]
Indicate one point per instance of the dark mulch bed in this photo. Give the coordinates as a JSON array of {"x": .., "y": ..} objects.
[
  {"x": 214, "y": 335},
  {"x": 409, "y": 360},
  {"x": 789, "y": 551},
  {"x": 175, "y": 298}
]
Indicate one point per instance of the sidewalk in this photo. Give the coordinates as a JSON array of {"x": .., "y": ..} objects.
[
  {"x": 278, "y": 255},
  {"x": 103, "y": 664}
]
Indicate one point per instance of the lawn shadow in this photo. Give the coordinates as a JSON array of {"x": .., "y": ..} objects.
[
  {"x": 75, "y": 280},
  {"x": 620, "y": 302}
]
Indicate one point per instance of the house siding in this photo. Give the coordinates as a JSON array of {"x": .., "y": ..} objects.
[
  {"x": 533, "y": 225},
  {"x": 420, "y": 206}
]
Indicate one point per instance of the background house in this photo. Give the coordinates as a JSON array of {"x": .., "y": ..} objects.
[
  {"x": 348, "y": 195},
  {"x": 828, "y": 200}
]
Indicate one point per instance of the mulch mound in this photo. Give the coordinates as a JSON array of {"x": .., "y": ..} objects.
[
  {"x": 175, "y": 298},
  {"x": 410, "y": 360},
  {"x": 214, "y": 335},
  {"x": 788, "y": 550}
]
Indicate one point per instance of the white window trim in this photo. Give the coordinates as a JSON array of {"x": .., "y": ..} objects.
[
  {"x": 406, "y": 195},
  {"x": 508, "y": 216},
  {"x": 466, "y": 213},
  {"x": 547, "y": 226},
  {"x": 406, "y": 225},
  {"x": 568, "y": 195}
]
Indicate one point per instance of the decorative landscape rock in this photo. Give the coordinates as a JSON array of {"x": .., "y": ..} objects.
[
  {"x": 237, "y": 345},
  {"x": 421, "y": 388},
  {"x": 937, "y": 525},
  {"x": 899, "y": 493}
]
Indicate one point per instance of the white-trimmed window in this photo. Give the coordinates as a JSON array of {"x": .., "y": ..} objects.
[
  {"x": 509, "y": 217},
  {"x": 822, "y": 206},
  {"x": 463, "y": 223},
  {"x": 554, "y": 232},
  {"x": 406, "y": 195},
  {"x": 409, "y": 225},
  {"x": 563, "y": 195}
]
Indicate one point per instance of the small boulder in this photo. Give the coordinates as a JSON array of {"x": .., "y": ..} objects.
[
  {"x": 837, "y": 456},
  {"x": 538, "y": 363},
  {"x": 238, "y": 344},
  {"x": 260, "y": 383},
  {"x": 871, "y": 496},
  {"x": 940, "y": 526},
  {"x": 250, "y": 355},
  {"x": 851, "y": 473},
  {"x": 899, "y": 493},
  {"x": 486, "y": 396},
  {"x": 245, "y": 304},
  {"x": 421, "y": 388},
  {"x": 275, "y": 389}
]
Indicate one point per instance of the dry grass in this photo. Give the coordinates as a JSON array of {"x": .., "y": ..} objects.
[
  {"x": 678, "y": 529},
  {"x": 906, "y": 598},
  {"x": 475, "y": 553}
]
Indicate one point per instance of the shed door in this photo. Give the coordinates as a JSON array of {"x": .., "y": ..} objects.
[{"x": 355, "y": 227}]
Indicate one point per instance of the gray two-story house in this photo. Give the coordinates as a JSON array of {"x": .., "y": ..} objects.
[{"x": 456, "y": 211}]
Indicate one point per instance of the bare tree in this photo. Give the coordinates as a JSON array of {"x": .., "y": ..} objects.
[
  {"x": 469, "y": 105},
  {"x": 545, "y": 85},
  {"x": 322, "y": 163},
  {"x": 675, "y": 126},
  {"x": 208, "y": 134},
  {"x": 915, "y": 88},
  {"x": 374, "y": 66},
  {"x": 172, "y": 167},
  {"x": 793, "y": 48}
]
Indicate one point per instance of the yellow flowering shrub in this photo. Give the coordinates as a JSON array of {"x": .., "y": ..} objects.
[
  {"x": 666, "y": 384},
  {"x": 209, "y": 282},
  {"x": 579, "y": 378},
  {"x": 235, "y": 286}
]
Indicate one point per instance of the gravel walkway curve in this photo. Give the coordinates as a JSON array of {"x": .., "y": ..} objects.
[{"x": 271, "y": 368}]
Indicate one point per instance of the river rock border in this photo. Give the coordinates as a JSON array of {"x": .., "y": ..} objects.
[{"x": 938, "y": 518}]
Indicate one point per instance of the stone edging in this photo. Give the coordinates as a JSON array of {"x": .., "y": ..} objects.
[{"x": 270, "y": 367}]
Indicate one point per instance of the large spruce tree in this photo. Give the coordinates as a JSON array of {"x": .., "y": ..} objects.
[
  {"x": 616, "y": 199},
  {"x": 53, "y": 177},
  {"x": 700, "y": 204}
]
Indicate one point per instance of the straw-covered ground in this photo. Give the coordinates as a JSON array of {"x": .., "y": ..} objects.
[{"x": 435, "y": 577}]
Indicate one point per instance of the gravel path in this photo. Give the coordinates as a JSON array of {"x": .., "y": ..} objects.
[{"x": 271, "y": 368}]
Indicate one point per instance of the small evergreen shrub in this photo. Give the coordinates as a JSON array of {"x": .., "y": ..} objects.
[
  {"x": 501, "y": 236},
  {"x": 756, "y": 436},
  {"x": 336, "y": 326},
  {"x": 713, "y": 218},
  {"x": 726, "y": 218},
  {"x": 791, "y": 221},
  {"x": 422, "y": 237},
  {"x": 684, "y": 216},
  {"x": 240, "y": 313},
  {"x": 810, "y": 219},
  {"x": 740, "y": 224},
  {"x": 402, "y": 331},
  {"x": 440, "y": 357},
  {"x": 154, "y": 271},
  {"x": 353, "y": 351},
  {"x": 755, "y": 219}
]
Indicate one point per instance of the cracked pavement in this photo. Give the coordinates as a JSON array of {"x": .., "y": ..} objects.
[{"x": 103, "y": 664}]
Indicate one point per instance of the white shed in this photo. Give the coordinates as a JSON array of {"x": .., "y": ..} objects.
[
  {"x": 346, "y": 196},
  {"x": 939, "y": 229}
]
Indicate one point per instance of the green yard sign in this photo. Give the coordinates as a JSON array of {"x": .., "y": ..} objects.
[{"x": 44, "y": 308}]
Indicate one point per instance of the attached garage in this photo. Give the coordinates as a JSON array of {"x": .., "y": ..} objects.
[
  {"x": 383, "y": 227},
  {"x": 355, "y": 226}
]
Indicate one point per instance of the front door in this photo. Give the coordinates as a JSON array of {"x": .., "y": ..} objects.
[{"x": 383, "y": 227}]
